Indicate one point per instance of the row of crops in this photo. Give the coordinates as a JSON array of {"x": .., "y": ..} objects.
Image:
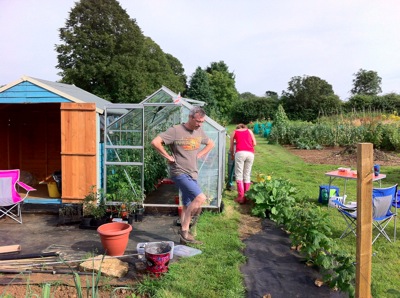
[{"x": 383, "y": 131}]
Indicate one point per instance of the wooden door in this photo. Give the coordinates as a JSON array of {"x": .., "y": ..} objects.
[{"x": 78, "y": 150}]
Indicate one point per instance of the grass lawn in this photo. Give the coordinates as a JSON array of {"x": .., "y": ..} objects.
[{"x": 215, "y": 272}]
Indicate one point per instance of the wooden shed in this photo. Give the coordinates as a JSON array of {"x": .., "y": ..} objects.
[{"x": 49, "y": 127}]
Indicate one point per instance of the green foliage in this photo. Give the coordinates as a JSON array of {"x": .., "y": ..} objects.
[
  {"x": 393, "y": 135},
  {"x": 156, "y": 70},
  {"x": 360, "y": 102},
  {"x": 104, "y": 51},
  {"x": 155, "y": 168},
  {"x": 308, "y": 227},
  {"x": 309, "y": 230},
  {"x": 337, "y": 131},
  {"x": 343, "y": 272},
  {"x": 94, "y": 203},
  {"x": 280, "y": 127},
  {"x": 100, "y": 50},
  {"x": 307, "y": 97},
  {"x": 200, "y": 89},
  {"x": 274, "y": 195},
  {"x": 366, "y": 82},
  {"x": 132, "y": 198},
  {"x": 222, "y": 83},
  {"x": 178, "y": 70},
  {"x": 252, "y": 108}
]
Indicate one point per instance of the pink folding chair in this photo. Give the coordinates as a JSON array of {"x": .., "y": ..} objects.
[{"x": 10, "y": 199}]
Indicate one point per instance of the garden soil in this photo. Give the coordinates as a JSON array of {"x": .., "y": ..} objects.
[{"x": 272, "y": 270}]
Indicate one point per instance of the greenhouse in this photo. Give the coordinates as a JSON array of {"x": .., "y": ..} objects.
[{"x": 130, "y": 162}]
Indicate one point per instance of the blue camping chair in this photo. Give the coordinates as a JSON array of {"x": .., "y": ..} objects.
[
  {"x": 396, "y": 203},
  {"x": 382, "y": 200}
]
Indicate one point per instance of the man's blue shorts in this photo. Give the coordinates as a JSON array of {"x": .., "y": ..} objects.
[{"x": 188, "y": 187}]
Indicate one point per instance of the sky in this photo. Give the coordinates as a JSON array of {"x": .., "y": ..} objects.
[{"x": 265, "y": 43}]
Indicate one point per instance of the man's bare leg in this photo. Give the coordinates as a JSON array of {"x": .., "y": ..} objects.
[
  {"x": 195, "y": 217},
  {"x": 187, "y": 212}
]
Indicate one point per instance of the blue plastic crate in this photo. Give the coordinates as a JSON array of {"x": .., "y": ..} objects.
[{"x": 328, "y": 189}]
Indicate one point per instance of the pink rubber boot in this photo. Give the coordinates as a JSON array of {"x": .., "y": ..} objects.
[{"x": 240, "y": 198}]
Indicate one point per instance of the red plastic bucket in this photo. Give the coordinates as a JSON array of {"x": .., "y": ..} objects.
[{"x": 157, "y": 257}]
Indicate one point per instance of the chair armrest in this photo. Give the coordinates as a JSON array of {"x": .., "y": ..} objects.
[
  {"x": 343, "y": 206},
  {"x": 25, "y": 186},
  {"x": 338, "y": 203}
]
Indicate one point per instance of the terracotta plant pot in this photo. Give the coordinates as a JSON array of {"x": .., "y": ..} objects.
[{"x": 114, "y": 237}]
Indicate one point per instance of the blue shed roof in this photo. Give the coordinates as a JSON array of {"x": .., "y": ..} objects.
[{"x": 32, "y": 90}]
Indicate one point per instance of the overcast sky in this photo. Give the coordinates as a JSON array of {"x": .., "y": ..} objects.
[{"x": 264, "y": 42}]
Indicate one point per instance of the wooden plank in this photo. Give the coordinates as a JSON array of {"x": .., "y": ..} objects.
[
  {"x": 10, "y": 248},
  {"x": 365, "y": 161}
]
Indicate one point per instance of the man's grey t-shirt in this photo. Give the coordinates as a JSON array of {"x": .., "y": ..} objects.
[{"x": 184, "y": 145}]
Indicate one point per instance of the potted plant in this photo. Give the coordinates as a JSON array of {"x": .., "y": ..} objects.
[
  {"x": 139, "y": 211},
  {"x": 131, "y": 199},
  {"x": 94, "y": 209}
]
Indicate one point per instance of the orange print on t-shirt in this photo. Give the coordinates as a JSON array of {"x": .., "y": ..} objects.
[{"x": 189, "y": 143}]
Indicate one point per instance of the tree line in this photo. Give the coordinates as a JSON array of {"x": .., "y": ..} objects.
[{"x": 104, "y": 51}]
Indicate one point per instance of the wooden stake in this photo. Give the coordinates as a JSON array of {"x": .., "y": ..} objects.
[{"x": 365, "y": 160}]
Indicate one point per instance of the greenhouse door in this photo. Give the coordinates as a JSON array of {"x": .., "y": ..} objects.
[
  {"x": 78, "y": 150},
  {"x": 124, "y": 150}
]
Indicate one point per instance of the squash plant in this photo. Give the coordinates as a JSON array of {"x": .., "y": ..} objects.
[{"x": 273, "y": 198}]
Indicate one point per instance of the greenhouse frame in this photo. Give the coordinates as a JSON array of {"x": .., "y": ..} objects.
[{"x": 131, "y": 161}]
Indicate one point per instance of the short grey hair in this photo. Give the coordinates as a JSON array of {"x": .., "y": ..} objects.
[{"x": 197, "y": 110}]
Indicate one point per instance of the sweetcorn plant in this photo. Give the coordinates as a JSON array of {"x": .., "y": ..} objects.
[{"x": 273, "y": 197}]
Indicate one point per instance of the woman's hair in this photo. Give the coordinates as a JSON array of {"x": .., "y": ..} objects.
[{"x": 241, "y": 125}]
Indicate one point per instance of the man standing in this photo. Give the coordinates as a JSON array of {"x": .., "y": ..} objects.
[{"x": 184, "y": 141}]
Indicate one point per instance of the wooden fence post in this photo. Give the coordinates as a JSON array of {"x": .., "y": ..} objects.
[{"x": 365, "y": 160}]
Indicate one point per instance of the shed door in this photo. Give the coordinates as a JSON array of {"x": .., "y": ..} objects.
[{"x": 78, "y": 150}]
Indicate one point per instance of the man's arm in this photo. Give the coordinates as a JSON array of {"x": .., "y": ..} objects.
[
  {"x": 206, "y": 149},
  {"x": 158, "y": 144}
]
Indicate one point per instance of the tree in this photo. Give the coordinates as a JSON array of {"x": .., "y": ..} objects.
[
  {"x": 177, "y": 69},
  {"x": 251, "y": 108},
  {"x": 305, "y": 97},
  {"x": 199, "y": 89},
  {"x": 104, "y": 52},
  {"x": 366, "y": 82},
  {"x": 392, "y": 102},
  {"x": 272, "y": 94},
  {"x": 222, "y": 83},
  {"x": 359, "y": 102},
  {"x": 100, "y": 50},
  {"x": 156, "y": 70}
]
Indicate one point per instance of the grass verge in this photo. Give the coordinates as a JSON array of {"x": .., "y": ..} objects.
[{"x": 216, "y": 272}]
